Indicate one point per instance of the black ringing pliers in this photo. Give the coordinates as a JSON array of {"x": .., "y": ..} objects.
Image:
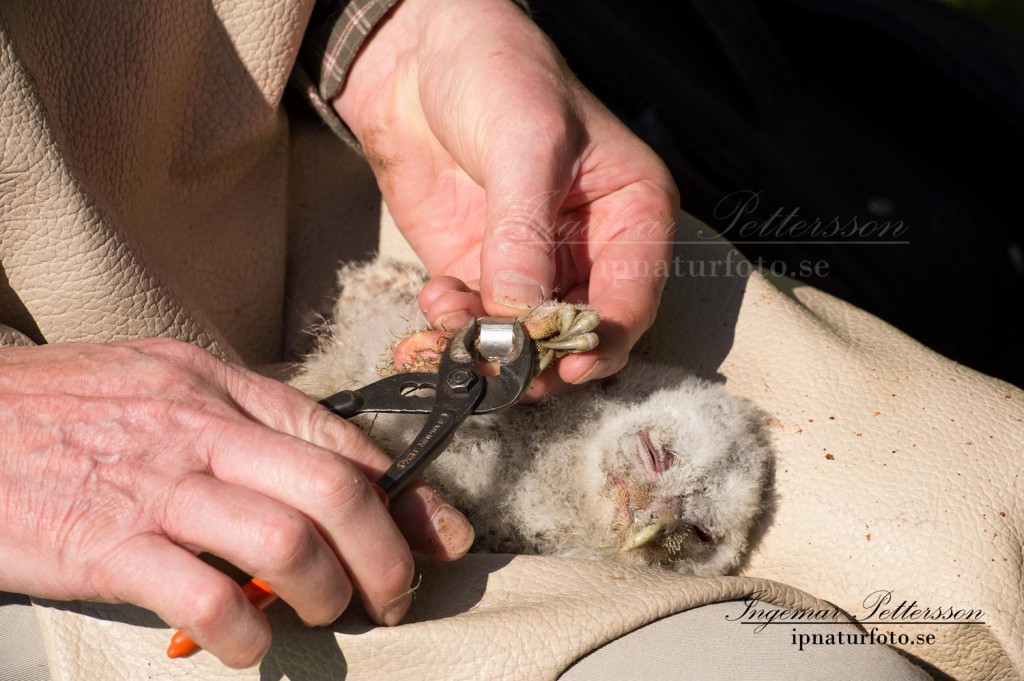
[{"x": 459, "y": 391}]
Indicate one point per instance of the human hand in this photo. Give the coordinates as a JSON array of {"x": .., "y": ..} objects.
[
  {"x": 505, "y": 174},
  {"x": 120, "y": 462}
]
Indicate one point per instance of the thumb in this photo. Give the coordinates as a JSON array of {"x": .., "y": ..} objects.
[{"x": 525, "y": 188}]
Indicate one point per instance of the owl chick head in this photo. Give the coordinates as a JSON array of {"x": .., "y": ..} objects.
[{"x": 684, "y": 469}]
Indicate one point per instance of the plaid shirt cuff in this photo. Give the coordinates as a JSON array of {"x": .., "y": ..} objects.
[{"x": 337, "y": 29}]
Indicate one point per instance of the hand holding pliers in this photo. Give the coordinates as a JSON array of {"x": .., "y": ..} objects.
[{"x": 459, "y": 390}]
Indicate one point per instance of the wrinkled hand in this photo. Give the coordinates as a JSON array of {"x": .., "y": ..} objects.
[
  {"x": 503, "y": 173},
  {"x": 120, "y": 462}
]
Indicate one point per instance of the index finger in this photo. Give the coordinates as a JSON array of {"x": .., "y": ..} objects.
[
  {"x": 627, "y": 278},
  {"x": 331, "y": 495},
  {"x": 288, "y": 411}
]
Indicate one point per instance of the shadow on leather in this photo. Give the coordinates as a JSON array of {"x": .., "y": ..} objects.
[
  {"x": 301, "y": 653},
  {"x": 696, "y": 322},
  {"x": 444, "y": 590},
  {"x": 14, "y": 313},
  {"x": 111, "y": 612}
]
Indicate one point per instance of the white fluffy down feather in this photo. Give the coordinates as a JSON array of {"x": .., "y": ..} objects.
[{"x": 652, "y": 466}]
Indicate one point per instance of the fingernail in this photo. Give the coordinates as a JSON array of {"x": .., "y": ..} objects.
[
  {"x": 517, "y": 290},
  {"x": 452, "y": 321},
  {"x": 396, "y": 608},
  {"x": 453, "y": 530},
  {"x": 595, "y": 371}
]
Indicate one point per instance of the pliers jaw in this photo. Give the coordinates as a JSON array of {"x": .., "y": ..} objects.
[
  {"x": 459, "y": 391},
  {"x": 494, "y": 339}
]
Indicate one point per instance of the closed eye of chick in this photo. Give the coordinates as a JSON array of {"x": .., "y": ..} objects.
[{"x": 653, "y": 466}]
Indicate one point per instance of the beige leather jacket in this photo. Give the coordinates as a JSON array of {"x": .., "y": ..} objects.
[
  {"x": 150, "y": 183},
  {"x": 135, "y": 146}
]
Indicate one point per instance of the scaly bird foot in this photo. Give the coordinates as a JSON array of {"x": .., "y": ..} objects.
[{"x": 557, "y": 329}]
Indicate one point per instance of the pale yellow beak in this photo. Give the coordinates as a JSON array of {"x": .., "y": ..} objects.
[{"x": 643, "y": 535}]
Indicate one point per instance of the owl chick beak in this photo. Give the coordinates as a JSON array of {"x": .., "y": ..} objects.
[
  {"x": 642, "y": 532},
  {"x": 649, "y": 524}
]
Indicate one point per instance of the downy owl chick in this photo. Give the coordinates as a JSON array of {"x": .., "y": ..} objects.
[{"x": 651, "y": 466}]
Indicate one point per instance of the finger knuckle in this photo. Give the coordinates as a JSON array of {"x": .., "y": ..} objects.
[
  {"x": 288, "y": 543},
  {"x": 331, "y": 606},
  {"x": 169, "y": 347},
  {"x": 193, "y": 411},
  {"x": 521, "y": 225},
  {"x": 550, "y": 129},
  {"x": 339, "y": 487},
  {"x": 397, "y": 572},
  {"x": 178, "y": 372},
  {"x": 182, "y": 355},
  {"x": 206, "y": 605},
  {"x": 333, "y": 433}
]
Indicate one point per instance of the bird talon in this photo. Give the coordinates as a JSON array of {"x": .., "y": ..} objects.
[
  {"x": 585, "y": 321},
  {"x": 559, "y": 328},
  {"x": 582, "y": 343},
  {"x": 543, "y": 360}
]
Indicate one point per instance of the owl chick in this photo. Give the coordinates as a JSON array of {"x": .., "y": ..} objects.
[{"x": 651, "y": 466}]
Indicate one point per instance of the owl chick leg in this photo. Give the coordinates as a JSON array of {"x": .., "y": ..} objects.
[{"x": 556, "y": 328}]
